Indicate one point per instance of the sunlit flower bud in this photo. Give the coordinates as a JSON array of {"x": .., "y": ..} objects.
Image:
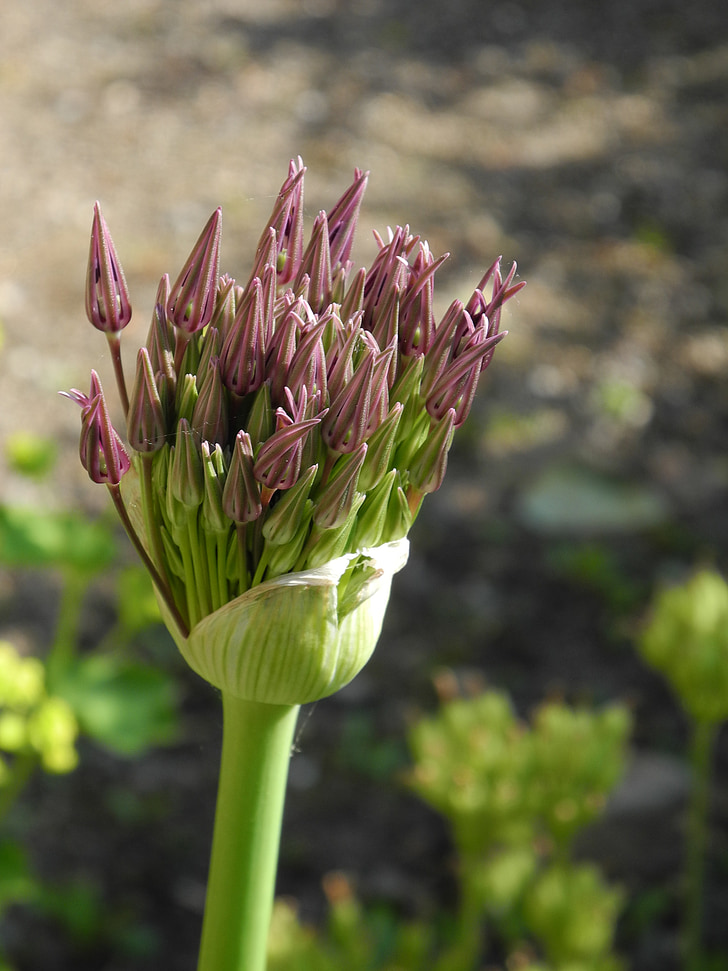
[
  {"x": 185, "y": 482},
  {"x": 428, "y": 466},
  {"x": 287, "y": 222},
  {"x": 192, "y": 297},
  {"x": 226, "y": 300},
  {"x": 316, "y": 264},
  {"x": 291, "y": 511},
  {"x": 371, "y": 517},
  {"x": 210, "y": 417},
  {"x": 212, "y": 515},
  {"x": 353, "y": 301},
  {"x": 344, "y": 426},
  {"x": 278, "y": 462},
  {"x": 416, "y": 318},
  {"x": 380, "y": 449},
  {"x": 243, "y": 355},
  {"x": 107, "y": 298},
  {"x": 336, "y": 498},
  {"x": 160, "y": 339},
  {"x": 101, "y": 450},
  {"x": 146, "y": 423},
  {"x": 241, "y": 496},
  {"x": 343, "y": 217}
]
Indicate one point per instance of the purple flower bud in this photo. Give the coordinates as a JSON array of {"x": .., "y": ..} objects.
[
  {"x": 344, "y": 427},
  {"x": 343, "y": 217},
  {"x": 146, "y": 423},
  {"x": 101, "y": 450},
  {"x": 416, "y": 318},
  {"x": 160, "y": 339},
  {"x": 285, "y": 518},
  {"x": 316, "y": 264},
  {"x": 457, "y": 382},
  {"x": 287, "y": 222},
  {"x": 241, "y": 496},
  {"x": 243, "y": 355},
  {"x": 192, "y": 298},
  {"x": 210, "y": 417},
  {"x": 308, "y": 367},
  {"x": 279, "y": 460},
  {"x": 107, "y": 297}
]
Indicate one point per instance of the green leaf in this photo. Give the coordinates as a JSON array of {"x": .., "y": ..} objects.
[
  {"x": 33, "y": 538},
  {"x": 123, "y": 705},
  {"x": 17, "y": 884}
]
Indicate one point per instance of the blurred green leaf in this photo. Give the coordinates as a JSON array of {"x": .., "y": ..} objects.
[
  {"x": 17, "y": 884},
  {"x": 138, "y": 607},
  {"x": 30, "y": 454},
  {"x": 577, "y": 501},
  {"x": 123, "y": 705},
  {"x": 77, "y": 906},
  {"x": 33, "y": 538}
]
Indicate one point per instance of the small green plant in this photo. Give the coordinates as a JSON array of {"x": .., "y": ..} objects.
[
  {"x": 686, "y": 639},
  {"x": 46, "y": 702},
  {"x": 515, "y": 795}
]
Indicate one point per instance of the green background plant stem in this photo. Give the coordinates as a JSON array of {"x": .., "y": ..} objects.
[
  {"x": 697, "y": 838},
  {"x": 256, "y": 750}
]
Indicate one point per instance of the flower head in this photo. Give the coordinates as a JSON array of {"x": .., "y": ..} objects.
[{"x": 284, "y": 433}]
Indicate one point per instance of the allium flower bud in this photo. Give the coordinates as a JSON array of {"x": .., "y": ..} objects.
[
  {"x": 284, "y": 434},
  {"x": 192, "y": 297},
  {"x": 107, "y": 298}
]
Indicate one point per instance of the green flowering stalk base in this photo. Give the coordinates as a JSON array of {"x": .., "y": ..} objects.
[
  {"x": 282, "y": 435},
  {"x": 256, "y": 750},
  {"x": 299, "y": 637}
]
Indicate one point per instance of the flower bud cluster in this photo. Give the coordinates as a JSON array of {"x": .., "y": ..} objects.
[{"x": 302, "y": 416}]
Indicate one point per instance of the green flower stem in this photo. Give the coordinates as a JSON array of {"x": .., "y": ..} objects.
[
  {"x": 21, "y": 772},
  {"x": 65, "y": 643},
  {"x": 115, "y": 350},
  {"x": 697, "y": 838},
  {"x": 256, "y": 750},
  {"x": 158, "y": 580}
]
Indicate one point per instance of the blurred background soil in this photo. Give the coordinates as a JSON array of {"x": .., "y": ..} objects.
[{"x": 589, "y": 142}]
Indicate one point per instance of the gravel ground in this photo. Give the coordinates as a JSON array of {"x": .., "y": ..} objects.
[{"x": 589, "y": 143}]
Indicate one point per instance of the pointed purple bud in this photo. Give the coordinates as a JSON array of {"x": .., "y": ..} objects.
[
  {"x": 287, "y": 222},
  {"x": 241, "y": 496},
  {"x": 225, "y": 304},
  {"x": 429, "y": 463},
  {"x": 210, "y": 416},
  {"x": 243, "y": 355},
  {"x": 160, "y": 339},
  {"x": 308, "y": 367},
  {"x": 192, "y": 298},
  {"x": 281, "y": 353},
  {"x": 146, "y": 423},
  {"x": 343, "y": 218},
  {"x": 316, "y": 264},
  {"x": 278, "y": 464},
  {"x": 344, "y": 427},
  {"x": 456, "y": 384},
  {"x": 354, "y": 298},
  {"x": 107, "y": 297},
  {"x": 455, "y": 322},
  {"x": 416, "y": 318},
  {"x": 101, "y": 450},
  {"x": 501, "y": 291}
]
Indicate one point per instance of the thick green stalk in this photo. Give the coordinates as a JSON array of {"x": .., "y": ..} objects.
[
  {"x": 256, "y": 750},
  {"x": 697, "y": 839}
]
